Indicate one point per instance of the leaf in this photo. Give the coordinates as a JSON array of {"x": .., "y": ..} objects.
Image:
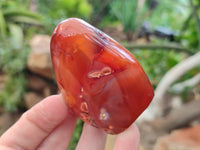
[
  {"x": 126, "y": 12},
  {"x": 2, "y": 26},
  {"x": 17, "y": 36},
  {"x": 25, "y": 19},
  {"x": 12, "y": 93},
  {"x": 12, "y": 12}
]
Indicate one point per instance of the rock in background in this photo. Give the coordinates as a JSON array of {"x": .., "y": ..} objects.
[
  {"x": 40, "y": 77},
  {"x": 181, "y": 139},
  {"x": 39, "y": 60}
]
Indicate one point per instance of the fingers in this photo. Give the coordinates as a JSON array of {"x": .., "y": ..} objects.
[
  {"x": 35, "y": 125},
  {"x": 128, "y": 140},
  {"x": 91, "y": 138},
  {"x": 60, "y": 137}
]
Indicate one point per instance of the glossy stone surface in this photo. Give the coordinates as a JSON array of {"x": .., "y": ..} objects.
[{"x": 100, "y": 80}]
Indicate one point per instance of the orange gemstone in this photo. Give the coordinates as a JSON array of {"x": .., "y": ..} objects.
[{"x": 102, "y": 81}]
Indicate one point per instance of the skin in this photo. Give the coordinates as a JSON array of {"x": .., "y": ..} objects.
[{"x": 49, "y": 125}]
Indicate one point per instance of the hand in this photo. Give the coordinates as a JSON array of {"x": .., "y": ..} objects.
[{"x": 49, "y": 126}]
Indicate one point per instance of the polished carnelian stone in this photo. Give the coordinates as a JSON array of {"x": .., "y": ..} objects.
[{"x": 101, "y": 81}]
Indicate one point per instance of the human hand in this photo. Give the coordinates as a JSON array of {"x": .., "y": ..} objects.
[{"x": 49, "y": 126}]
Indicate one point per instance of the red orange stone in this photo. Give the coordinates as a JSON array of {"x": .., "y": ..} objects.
[{"x": 101, "y": 81}]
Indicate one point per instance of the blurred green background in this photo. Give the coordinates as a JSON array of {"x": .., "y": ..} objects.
[{"x": 159, "y": 33}]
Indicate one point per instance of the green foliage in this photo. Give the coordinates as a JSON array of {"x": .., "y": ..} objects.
[
  {"x": 13, "y": 63},
  {"x": 177, "y": 15},
  {"x": 157, "y": 63},
  {"x": 101, "y": 9},
  {"x": 76, "y": 135},
  {"x": 13, "y": 16},
  {"x": 189, "y": 36},
  {"x": 2, "y": 25},
  {"x": 169, "y": 14},
  {"x": 12, "y": 93},
  {"x": 129, "y": 14},
  {"x": 14, "y": 20},
  {"x": 125, "y": 11},
  {"x": 16, "y": 35},
  {"x": 79, "y": 8},
  {"x": 59, "y": 10},
  {"x": 191, "y": 26}
]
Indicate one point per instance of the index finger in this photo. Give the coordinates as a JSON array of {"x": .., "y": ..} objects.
[{"x": 35, "y": 124}]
